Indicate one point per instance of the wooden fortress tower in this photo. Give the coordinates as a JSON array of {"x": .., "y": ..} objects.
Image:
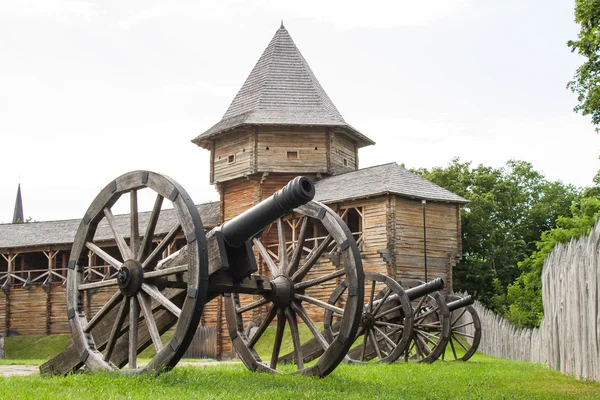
[{"x": 280, "y": 125}]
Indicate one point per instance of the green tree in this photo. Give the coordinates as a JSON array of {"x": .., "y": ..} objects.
[
  {"x": 508, "y": 209},
  {"x": 586, "y": 82},
  {"x": 523, "y": 300}
]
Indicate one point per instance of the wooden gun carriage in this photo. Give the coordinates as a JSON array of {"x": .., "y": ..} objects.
[{"x": 151, "y": 293}]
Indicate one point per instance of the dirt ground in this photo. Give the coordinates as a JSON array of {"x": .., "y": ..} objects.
[{"x": 21, "y": 370}]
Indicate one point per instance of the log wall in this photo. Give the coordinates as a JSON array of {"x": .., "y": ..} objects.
[
  {"x": 443, "y": 239},
  {"x": 237, "y": 145},
  {"x": 310, "y": 145},
  {"x": 344, "y": 154}
]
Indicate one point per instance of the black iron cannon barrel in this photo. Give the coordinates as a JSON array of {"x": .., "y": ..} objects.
[
  {"x": 460, "y": 303},
  {"x": 425, "y": 289},
  {"x": 296, "y": 193}
]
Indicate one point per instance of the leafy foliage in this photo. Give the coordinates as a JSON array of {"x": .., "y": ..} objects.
[
  {"x": 523, "y": 301},
  {"x": 586, "y": 82},
  {"x": 508, "y": 210}
]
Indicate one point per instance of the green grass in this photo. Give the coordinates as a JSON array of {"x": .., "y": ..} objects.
[
  {"x": 481, "y": 378},
  {"x": 34, "y": 347}
]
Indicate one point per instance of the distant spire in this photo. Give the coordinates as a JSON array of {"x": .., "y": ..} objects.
[
  {"x": 18, "y": 214},
  {"x": 282, "y": 27}
]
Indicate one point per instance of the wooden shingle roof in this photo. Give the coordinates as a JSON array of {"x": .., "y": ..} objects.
[
  {"x": 281, "y": 90},
  {"x": 381, "y": 179},
  {"x": 49, "y": 233}
]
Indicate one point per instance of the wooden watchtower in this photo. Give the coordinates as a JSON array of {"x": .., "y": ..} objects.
[{"x": 281, "y": 124}]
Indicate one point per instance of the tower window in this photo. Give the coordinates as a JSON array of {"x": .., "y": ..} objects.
[
  {"x": 292, "y": 155},
  {"x": 267, "y": 148},
  {"x": 231, "y": 158},
  {"x": 345, "y": 162}
]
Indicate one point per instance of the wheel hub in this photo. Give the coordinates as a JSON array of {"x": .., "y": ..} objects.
[
  {"x": 282, "y": 293},
  {"x": 130, "y": 277},
  {"x": 367, "y": 321}
]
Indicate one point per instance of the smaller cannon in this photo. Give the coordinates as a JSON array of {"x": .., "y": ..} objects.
[
  {"x": 445, "y": 320},
  {"x": 147, "y": 291}
]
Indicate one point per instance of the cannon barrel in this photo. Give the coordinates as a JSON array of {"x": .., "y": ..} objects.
[
  {"x": 460, "y": 303},
  {"x": 296, "y": 193},
  {"x": 425, "y": 289}
]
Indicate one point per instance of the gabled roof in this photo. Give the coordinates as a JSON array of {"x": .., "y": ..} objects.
[
  {"x": 63, "y": 232},
  {"x": 381, "y": 179},
  {"x": 281, "y": 90}
]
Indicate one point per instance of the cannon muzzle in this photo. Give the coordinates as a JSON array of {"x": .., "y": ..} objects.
[
  {"x": 460, "y": 303},
  {"x": 425, "y": 289},
  {"x": 296, "y": 193}
]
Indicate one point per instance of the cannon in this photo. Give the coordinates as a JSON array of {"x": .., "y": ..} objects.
[
  {"x": 444, "y": 320},
  {"x": 415, "y": 324},
  {"x": 148, "y": 293}
]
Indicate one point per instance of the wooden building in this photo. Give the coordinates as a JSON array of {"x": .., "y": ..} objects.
[{"x": 280, "y": 124}]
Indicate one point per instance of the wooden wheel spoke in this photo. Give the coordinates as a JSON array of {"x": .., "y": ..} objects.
[
  {"x": 116, "y": 328},
  {"x": 388, "y": 291},
  {"x": 145, "y": 306},
  {"x": 298, "y": 309},
  {"x": 455, "y": 320},
  {"x": 319, "y": 303},
  {"x": 278, "y": 337},
  {"x": 262, "y": 327},
  {"x": 110, "y": 304},
  {"x": 426, "y": 314},
  {"x": 251, "y": 306},
  {"x": 453, "y": 349},
  {"x": 375, "y": 344},
  {"x": 99, "y": 284},
  {"x": 148, "y": 262},
  {"x": 462, "y": 325},
  {"x": 390, "y": 324},
  {"x": 134, "y": 238},
  {"x": 459, "y": 342},
  {"x": 321, "y": 279},
  {"x": 428, "y": 335},
  {"x": 373, "y": 283},
  {"x": 283, "y": 256},
  {"x": 134, "y": 319},
  {"x": 149, "y": 235},
  {"x": 312, "y": 258},
  {"x": 166, "y": 271},
  {"x": 386, "y": 312},
  {"x": 467, "y": 335},
  {"x": 298, "y": 353},
  {"x": 266, "y": 257},
  {"x": 295, "y": 261},
  {"x": 104, "y": 255},
  {"x": 158, "y": 296},
  {"x": 385, "y": 337},
  {"x": 364, "y": 346},
  {"x": 121, "y": 243}
]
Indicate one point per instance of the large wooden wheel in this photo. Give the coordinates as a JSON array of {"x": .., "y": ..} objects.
[
  {"x": 386, "y": 324},
  {"x": 431, "y": 328},
  {"x": 143, "y": 300},
  {"x": 303, "y": 266},
  {"x": 465, "y": 332}
]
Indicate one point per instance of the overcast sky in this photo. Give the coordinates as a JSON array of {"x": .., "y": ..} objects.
[{"x": 90, "y": 90}]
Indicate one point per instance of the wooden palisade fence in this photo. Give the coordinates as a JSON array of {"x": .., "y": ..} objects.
[{"x": 569, "y": 335}]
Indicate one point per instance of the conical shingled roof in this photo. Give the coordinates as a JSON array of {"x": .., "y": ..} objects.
[{"x": 281, "y": 90}]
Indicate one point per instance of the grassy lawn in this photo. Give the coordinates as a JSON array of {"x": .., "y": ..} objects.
[{"x": 480, "y": 378}]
